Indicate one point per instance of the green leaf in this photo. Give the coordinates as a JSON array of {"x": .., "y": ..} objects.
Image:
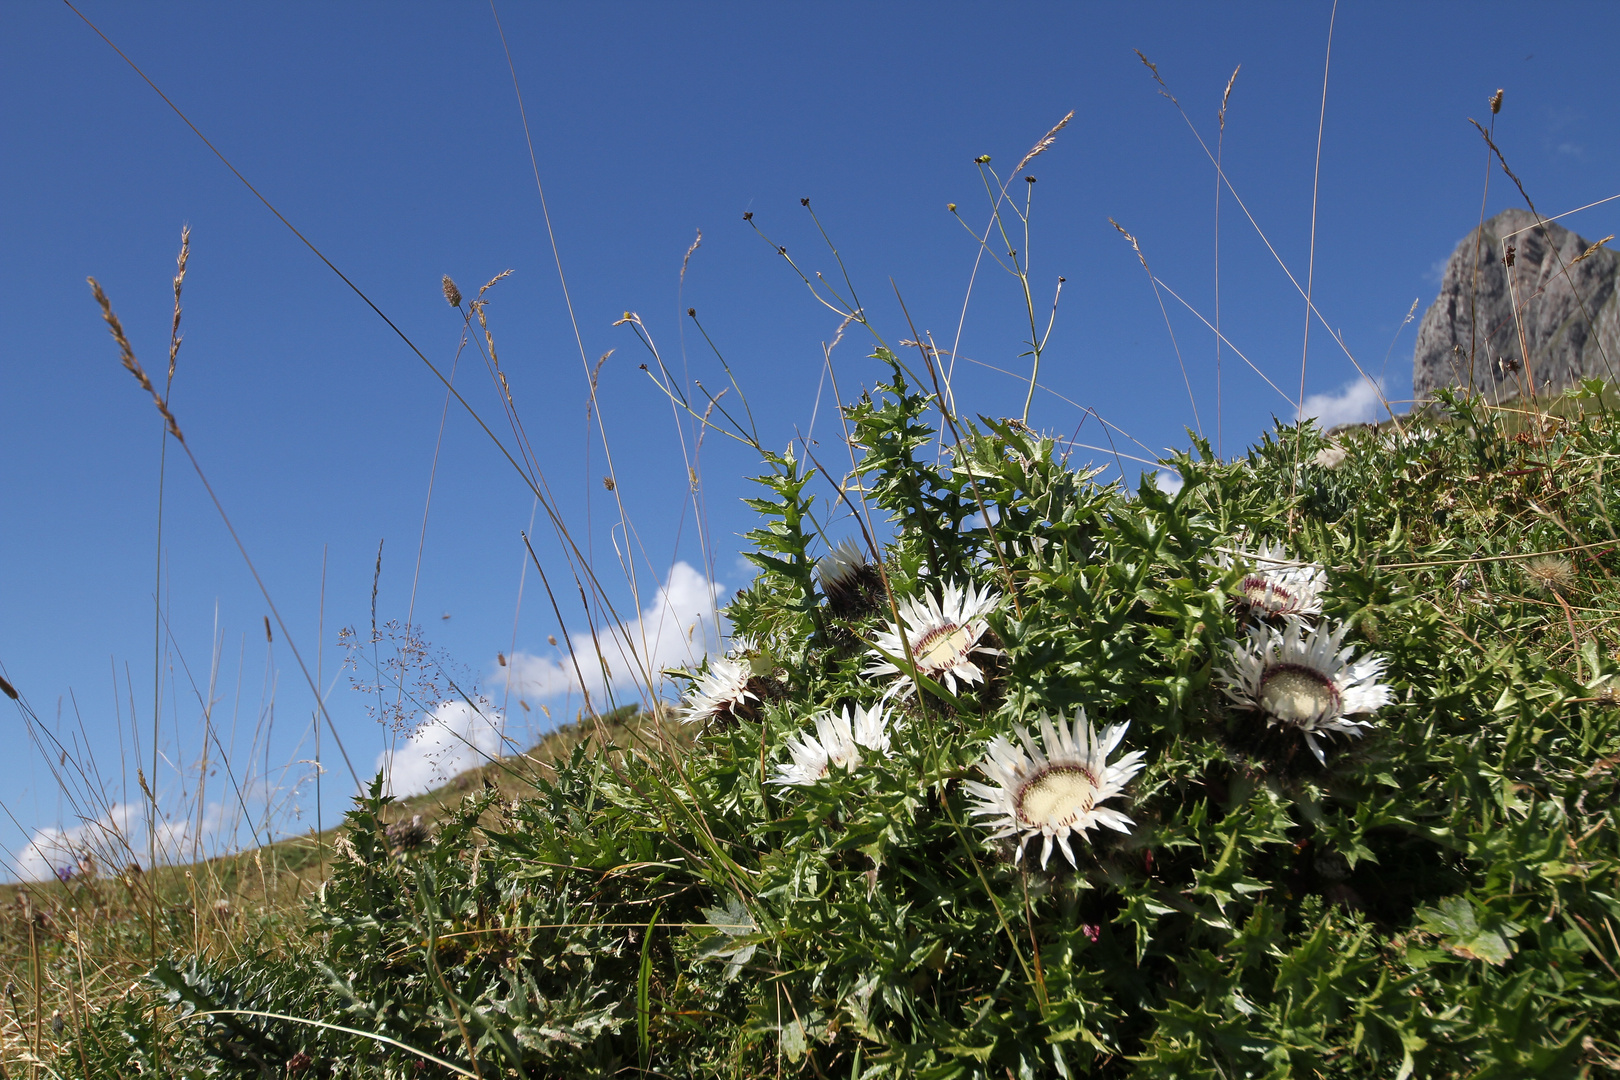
[
  {"x": 1457, "y": 924},
  {"x": 643, "y": 984},
  {"x": 793, "y": 1040}
]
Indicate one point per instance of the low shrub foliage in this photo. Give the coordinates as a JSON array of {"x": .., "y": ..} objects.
[{"x": 1434, "y": 896}]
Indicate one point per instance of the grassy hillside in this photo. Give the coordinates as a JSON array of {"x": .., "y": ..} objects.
[
  {"x": 1391, "y": 853},
  {"x": 68, "y": 948}
]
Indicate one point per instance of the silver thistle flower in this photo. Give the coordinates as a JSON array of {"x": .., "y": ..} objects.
[
  {"x": 1302, "y": 678},
  {"x": 838, "y": 740},
  {"x": 1277, "y": 584},
  {"x": 943, "y": 633},
  {"x": 720, "y": 692},
  {"x": 1052, "y": 790}
]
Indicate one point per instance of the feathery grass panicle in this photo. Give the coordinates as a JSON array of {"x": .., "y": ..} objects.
[
  {"x": 127, "y": 354},
  {"x": 486, "y": 286},
  {"x": 478, "y": 306},
  {"x": 697, "y": 242},
  {"x": 1043, "y": 145},
  {"x": 1592, "y": 249},
  {"x": 179, "y": 282},
  {"x": 1226, "y": 96},
  {"x": 452, "y": 295}
]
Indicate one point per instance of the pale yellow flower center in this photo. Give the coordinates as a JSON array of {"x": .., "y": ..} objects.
[
  {"x": 941, "y": 647},
  {"x": 1298, "y": 695},
  {"x": 1059, "y": 795}
]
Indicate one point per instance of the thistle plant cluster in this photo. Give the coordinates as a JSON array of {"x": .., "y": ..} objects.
[{"x": 842, "y": 862}]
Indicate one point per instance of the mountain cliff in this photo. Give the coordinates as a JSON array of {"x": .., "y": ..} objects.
[{"x": 1567, "y": 303}]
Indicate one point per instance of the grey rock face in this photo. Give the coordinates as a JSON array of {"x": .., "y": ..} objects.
[{"x": 1568, "y": 313}]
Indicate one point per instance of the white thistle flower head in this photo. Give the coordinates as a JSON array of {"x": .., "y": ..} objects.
[
  {"x": 837, "y": 568},
  {"x": 848, "y": 580},
  {"x": 1550, "y": 574},
  {"x": 1276, "y": 584},
  {"x": 1302, "y": 678},
  {"x": 720, "y": 693},
  {"x": 1052, "y": 790},
  {"x": 943, "y": 633},
  {"x": 838, "y": 740}
]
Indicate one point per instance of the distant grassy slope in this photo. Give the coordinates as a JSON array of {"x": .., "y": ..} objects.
[{"x": 94, "y": 938}]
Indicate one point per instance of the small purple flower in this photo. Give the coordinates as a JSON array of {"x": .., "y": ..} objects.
[{"x": 64, "y": 873}]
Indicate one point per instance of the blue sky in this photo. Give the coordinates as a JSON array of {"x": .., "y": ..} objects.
[{"x": 390, "y": 136}]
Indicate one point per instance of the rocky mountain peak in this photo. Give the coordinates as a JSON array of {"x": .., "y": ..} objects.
[{"x": 1568, "y": 312}]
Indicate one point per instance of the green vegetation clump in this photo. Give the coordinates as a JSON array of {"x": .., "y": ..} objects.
[{"x": 925, "y": 892}]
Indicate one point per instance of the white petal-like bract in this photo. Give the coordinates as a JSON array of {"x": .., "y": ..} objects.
[
  {"x": 1304, "y": 678},
  {"x": 1275, "y": 583},
  {"x": 720, "y": 692},
  {"x": 943, "y": 633},
  {"x": 1052, "y": 789},
  {"x": 838, "y": 740}
]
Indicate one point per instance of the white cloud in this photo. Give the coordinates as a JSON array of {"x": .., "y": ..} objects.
[
  {"x": 1437, "y": 271},
  {"x": 1168, "y": 482},
  {"x": 675, "y": 630},
  {"x": 1357, "y": 403},
  {"x": 457, "y": 737},
  {"x": 117, "y": 838}
]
